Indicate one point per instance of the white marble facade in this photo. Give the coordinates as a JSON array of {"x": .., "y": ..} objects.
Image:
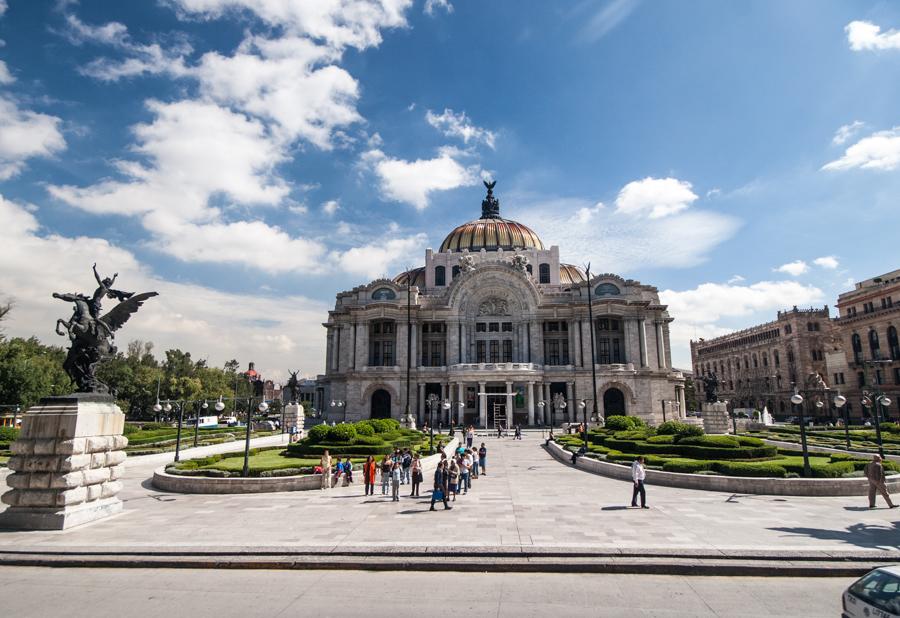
[{"x": 502, "y": 329}]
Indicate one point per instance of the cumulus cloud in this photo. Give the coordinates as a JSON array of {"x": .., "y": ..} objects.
[
  {"x": 460, "y": 126},
  {"x": 700, "y": 312},
  {"x": 25, "y": 134},
  {"x": 795, "y": 268},
  {"x": 432, "y": 6},
  {"x": 828, "y": 261},
  {"x": 879, "y": 151},
  {"x": 381, "y": 258},
  {"x": 6, "y": 77},
  {"x": 845, "y": 132},
  {"x": 866, "y": 36},
  {"x": 655, "y": 197},
  {"x": 3, "y": 7},
  {"x": 330, "y": 207},
  {"x": 736, "y": 279},
  {"x": 412, "y": 182},
  {"x": 210, "y": 324}
]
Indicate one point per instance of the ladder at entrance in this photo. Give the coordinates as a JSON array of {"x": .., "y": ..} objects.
[{"x": 500, "y": 417}]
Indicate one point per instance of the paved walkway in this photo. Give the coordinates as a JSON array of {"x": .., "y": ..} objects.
[{"x": 527, "y": 500}]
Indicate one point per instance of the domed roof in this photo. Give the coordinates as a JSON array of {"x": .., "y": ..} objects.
[
  {"x": 415, "y": 276},
  {"x": 569, "y": 274},
  {"x": 491, "y": 232}
]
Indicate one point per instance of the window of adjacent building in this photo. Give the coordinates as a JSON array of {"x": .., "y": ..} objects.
[
  {"x": 790, "y": 355},
  {"x": 455, "y": 272},
  {"x": 481, "y": 327},
  {"x": 787, "y": 329},
  {"x": 381, "y": 344},
  {"x": 506, "y": 327},
  {"x": 544, "y": 273},
  {"x": 507, "y": 351},
  {"x": 860, "y": 379},
  {"x": 480, "y": 355},
  {"x": 494, "y": 327},
  {"x": 873, "y": 345},
  {"x": 440, "y": 275},
  {"x": 776, "y": 358},
  {"x": 893, "y": 343},
  {"x": 495, "y": 351},
  {"x": 856, "y": 344}
]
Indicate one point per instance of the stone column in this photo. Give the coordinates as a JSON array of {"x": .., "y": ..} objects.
[
  {"x": 414, "y": 345},
  {"x": 334, "y": 347},
  {"x": 529, "y": 399},
  {"x": 461, "y": 409},
  {"x": 537, "y": 345},
  {"x": 642, "y": 337},
  {"x": 660, "y": 346},
  {"x": 482, "y": 405},
  {"x": 681, "y": 400},
  {"x": 452, "y": 343},
  {"x": 420, "y": 404},
  {"x": 464, "y": 344},
  {"x": 509, "y": 404},
  {"x": 575, "y": 349},
  {"x": 570, "y": 402},
  {"x": 446, "y": 415},
  {"x": 66, "y": 464},
  {"x": 362, "y": 345}
]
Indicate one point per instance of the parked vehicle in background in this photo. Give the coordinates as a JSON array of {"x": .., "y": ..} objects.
[{"x": 874, "y": 595}]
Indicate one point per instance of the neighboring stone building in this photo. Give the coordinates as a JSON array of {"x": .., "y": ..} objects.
[
  {"x": 758, "y": 366},
  {"x": 868, "y": 354},
  {"x": 498, "y": 326}
]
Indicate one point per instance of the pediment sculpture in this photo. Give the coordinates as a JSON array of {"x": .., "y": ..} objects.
[{"x": 494, "y": 306}]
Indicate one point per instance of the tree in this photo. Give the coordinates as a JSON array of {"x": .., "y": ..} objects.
[{"x": 30, "y": 370}]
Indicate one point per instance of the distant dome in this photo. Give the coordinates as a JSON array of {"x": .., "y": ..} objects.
[
  {"x": 491, "y": 232},
  {"x": 415, "y": 276},
  {"x": 569, "y": 274}
]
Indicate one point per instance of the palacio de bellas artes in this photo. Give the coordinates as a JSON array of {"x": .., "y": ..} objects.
[
  {"x": 343, "y": 308},
  {"x": 496, "y": 325}
]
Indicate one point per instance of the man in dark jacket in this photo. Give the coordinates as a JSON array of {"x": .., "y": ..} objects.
[
  {"x": 875, "y": 475},
  {"x": 441, "y": 484}
]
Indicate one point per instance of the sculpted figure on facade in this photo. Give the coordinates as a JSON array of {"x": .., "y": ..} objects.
[
  {"x": 467, "y": 263},
  {"x": 494, "y": 306},
  {"x": 520, "y": 262}
]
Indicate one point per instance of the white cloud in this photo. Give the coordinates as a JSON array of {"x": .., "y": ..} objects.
[
  {"x": 432, "y": 6},
  {"x": 459, "y": 125},
  {"x": 25, "y": 134},
  {"x": 413, "y": 181},
  {"x": 865, "y": 36},
  {"x": 3, "y": 7},
  {"x": 605, "y": 20},
  {"x": 736, "y": 279},
  {"x": 698, "y": 312},
  {"x": 381, "y": 258},
  {"x": 879, "y": 151},
  {"x": 6, "y": 77},
  {"x": 845, "y": 132},
  {"x": 337, "y": 23},
  {"x": 655, "y": 197},
  {"x": 586, "y": 214},
  {"x": 208, "y": 323},
  {"x": 795, "y": 268},
  {"x": 828, "y": 261},
  {"x": 330, "y": 207}
]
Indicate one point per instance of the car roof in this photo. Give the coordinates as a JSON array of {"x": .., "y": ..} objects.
[{"x": 892, "y": 569}]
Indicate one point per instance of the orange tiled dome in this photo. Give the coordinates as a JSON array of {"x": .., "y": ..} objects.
[{"x": 491, "y": 235}]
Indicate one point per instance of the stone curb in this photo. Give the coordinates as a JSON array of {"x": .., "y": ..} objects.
[
  {"x": 727, "y": 484},
  {"x": 541, "y": 564}
]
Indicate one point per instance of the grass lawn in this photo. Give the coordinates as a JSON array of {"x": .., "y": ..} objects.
[
  {"x": 269, "y": 460},
  {"x": 3, "y": 460}
]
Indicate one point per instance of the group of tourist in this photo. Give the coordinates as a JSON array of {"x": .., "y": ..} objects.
[{"x": 453, "y": 475}]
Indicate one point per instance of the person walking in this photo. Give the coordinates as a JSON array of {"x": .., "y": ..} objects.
[
  {"x": 638, "y": 474},
  {"x": 465, "y": 463},
  {"x": 325, "y": 463},
  {"x": 348, "y": 472},
  {"x": 453, "y": 481},
  {"x": 395, "y": 482},
  {"x": 416, "y": 476},
  {"x": 470, "y": 436},
  {"x": 875, "y": 475},
  {"x": 406, "y": 463},
  {"x": 482, "y": 459},
  {"x": 474, "y": 457},
  {"x": 386, "y": 466},
  {"x": 518, "y": 432},
  {"x": 440, "y": 486},
  {"x": 369, "y": 469}
]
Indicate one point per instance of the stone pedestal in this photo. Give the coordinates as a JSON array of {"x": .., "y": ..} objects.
[
  {"x": 715, "y": 418},
  {"x": 294, "y": 419},
  {"x": 66, "y": 464}
]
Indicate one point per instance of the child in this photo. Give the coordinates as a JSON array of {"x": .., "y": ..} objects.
[{"x": 395, "y": 482}]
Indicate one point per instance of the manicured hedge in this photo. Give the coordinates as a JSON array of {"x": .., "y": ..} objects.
[
  {"x": 711, "y": 441},
  {"x": 8, "y": 434},
  {"x": 318, "y": 433},
  {"x": 665, "y": 439},
  {"x": 686, "y": 466},
  {"x": 304, "y": 450},
  {"x": 680, "y": 429},
  {"x": 736, "y": 468},
  {"x": 690, "y": 451},
  {"x": 364, "y": 429},
  {"x": 622, "y": 423}
]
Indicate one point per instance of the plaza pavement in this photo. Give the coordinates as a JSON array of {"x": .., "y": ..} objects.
[{"x": 527, "y": 502}]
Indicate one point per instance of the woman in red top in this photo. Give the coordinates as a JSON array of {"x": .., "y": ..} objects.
[{"x": 369, "y": 475}]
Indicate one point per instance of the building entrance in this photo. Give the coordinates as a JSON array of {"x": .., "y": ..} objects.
[{"x": 497, "y": 415}]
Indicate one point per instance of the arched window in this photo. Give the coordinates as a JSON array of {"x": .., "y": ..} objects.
[
  {"x": 440, "y": 275},
  {"x": 776, "y": 358},
  {"x": 893, "y": 343},
  {"x": 529, "y": 269},
  {"x": 383, "y": 294},
  {"x": 746, "y": 362},
  {"x": 873, "y": 344},
  {"x": 455, "y": 272},
  {"x": 607, "y": 289},
  {"x": 765, "y": 357},
  {"x": 755, "y": 361},
  {"x": 544, "y": 273},
  {"x": 856, "y": 342},
  {"x": 790, "y": 355}
]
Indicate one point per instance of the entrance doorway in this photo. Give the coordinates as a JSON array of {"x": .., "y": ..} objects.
[
  {"x": 613, "y": 403},
  {"x": 381, "y": 404}
]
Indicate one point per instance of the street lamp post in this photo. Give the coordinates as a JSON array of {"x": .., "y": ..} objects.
[
  {"x": 593, "y": 353},
  {"x": 202, "y": 408},
  {"x": 263, "y": 406},
  {"x": 431, "y": 400},
  {"x": 840, "y": 402},
  {"x": 876, "y": 400},
  {"x": 797, "y": 402},
  {"x": 339, "y": 403}
]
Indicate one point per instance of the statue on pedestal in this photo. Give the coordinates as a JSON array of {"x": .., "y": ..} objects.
[{"x": 293, "y": 386}]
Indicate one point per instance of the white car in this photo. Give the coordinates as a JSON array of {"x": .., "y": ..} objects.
[{"x": 874, "y": 595}]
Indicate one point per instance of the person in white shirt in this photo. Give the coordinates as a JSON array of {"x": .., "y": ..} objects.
[{"x": 638, "y": 474}]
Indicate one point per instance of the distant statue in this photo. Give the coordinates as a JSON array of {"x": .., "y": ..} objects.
[
  {"x": 90, "y": 335},
  {"x": 520, "y": 262},
  {"x": 814, "y": 381},
  {"x": 710, "y": 386},
  {"x": 467, "y": 263},
  {"x": 294, "y": 386},
  {"x": 490, "y": 206}
]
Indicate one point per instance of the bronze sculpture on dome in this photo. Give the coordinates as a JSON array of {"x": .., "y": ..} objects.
[
  {"x": 90, "y": 334},
  {"x": 490, "y": 206}
]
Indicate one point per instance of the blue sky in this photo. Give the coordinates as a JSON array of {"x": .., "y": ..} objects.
[{"x": 251, "y": 158}]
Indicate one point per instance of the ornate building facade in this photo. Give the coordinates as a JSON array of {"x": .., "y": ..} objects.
[
  {"x": 759, "y": 366},
  {"x": 494, "y": 329}
]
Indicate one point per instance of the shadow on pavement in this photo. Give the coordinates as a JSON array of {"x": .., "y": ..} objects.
[
  {"x": 873, "y": 536},
  {"x": 614, "y": 508}
]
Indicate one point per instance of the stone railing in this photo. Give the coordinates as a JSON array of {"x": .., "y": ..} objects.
[
  {"x": 253, "y": 485},
  {"x": 728, "y": 484},
  {"x": 496, "y": 367}
]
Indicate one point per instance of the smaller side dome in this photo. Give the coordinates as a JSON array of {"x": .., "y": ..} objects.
[
  {"x": 570, "y": 274},
  {"x": 415, "y": 277}
]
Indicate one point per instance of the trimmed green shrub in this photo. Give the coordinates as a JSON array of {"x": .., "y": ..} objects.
[
  {"x": 738, "y": 468},
  {"x": 711, "y": 441},
  {"x": 890, "y": 427},
  {"x": 127, "y": 430},
  {"x": 620, "y": 423},
  {"x": 318, "y": 433},
  {"x": 383, "y": 425},
  {"x": 634, "y": 434},
  {"x": 650, "y": 460},
  {"x": 669, "y": 439},
  {"x": 679, "y": 429},
  {"x": 315, "y": 450},
  {"x": 8, "y": 434},
  {"x": 686, "y": 466},
  {"x": 364, "y": 429},
  {"x": 341, "y": 433},
  {"x": 745, "y": 441},
  {"x": 368, "y": 440}
]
